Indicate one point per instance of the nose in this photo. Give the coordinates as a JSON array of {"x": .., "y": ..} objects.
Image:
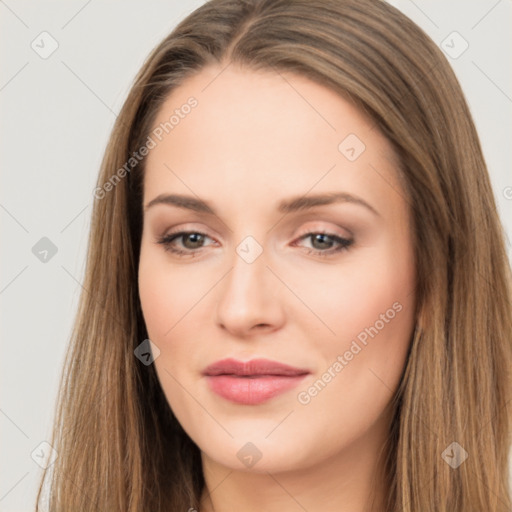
[{"x": 249, "y": 302}]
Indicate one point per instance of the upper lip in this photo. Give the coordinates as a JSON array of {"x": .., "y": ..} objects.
[{"x": 252, "y": 367}]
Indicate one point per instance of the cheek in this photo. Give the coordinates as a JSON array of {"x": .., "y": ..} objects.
[
  {"x": 175, "y": 307},
  {"x": 167, "y": 301},
  {"x": 370, "y": 308},
  {"x": 158, "y": 302},
  {"x": 366, "y": 289},
  {"x": 168, "y": 294},
  {"x": 373, "y": 318}
]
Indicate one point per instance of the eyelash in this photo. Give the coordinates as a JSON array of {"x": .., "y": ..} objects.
[{"x": 344, "y": 243}]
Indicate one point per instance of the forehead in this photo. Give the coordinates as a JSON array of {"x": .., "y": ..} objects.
[
  {"x": 234, "y": 97},
  {"x": 259, "y": 132}
]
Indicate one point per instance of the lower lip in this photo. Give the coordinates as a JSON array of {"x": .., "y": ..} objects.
[{"x": 251, "y": 390}]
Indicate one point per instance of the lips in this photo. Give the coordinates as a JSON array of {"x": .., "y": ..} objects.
[
  {"x": 255, "y": 367},
  {"x": 252, "y": 382}
]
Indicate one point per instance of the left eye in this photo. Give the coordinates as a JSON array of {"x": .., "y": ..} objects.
[{"x": 322, "y": 243}]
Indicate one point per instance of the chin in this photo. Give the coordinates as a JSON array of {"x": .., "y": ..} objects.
[{"x": 254, "y": 453}]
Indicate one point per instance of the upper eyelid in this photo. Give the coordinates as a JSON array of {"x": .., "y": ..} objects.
[
  {"x": 186, "y": 228},
  {"x": 183, "y": 232}
]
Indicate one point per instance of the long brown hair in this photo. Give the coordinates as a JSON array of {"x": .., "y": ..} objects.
[{"x": 119, "y": 446}]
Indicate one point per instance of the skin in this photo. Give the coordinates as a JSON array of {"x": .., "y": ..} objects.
[{"x": 253, "y": 140}]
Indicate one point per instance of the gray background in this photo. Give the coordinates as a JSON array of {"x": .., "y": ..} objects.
[{"x": 56, "y": 114}]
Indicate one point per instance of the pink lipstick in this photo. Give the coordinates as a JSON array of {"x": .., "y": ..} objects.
[{"x": 252, "y": 382}]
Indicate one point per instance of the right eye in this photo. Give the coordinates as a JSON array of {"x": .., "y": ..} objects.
[{"x": 190, "y": 242}]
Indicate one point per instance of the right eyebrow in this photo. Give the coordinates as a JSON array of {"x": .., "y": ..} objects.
[{"x": 181, "y": 201}]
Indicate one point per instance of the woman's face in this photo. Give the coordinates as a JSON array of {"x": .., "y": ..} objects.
[{"x": 298, "y": 251}]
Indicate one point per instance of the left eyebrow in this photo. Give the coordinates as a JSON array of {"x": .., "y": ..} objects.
[
  {"x": 306, "y": 202},
  {"x": 294, "y": 204}
]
